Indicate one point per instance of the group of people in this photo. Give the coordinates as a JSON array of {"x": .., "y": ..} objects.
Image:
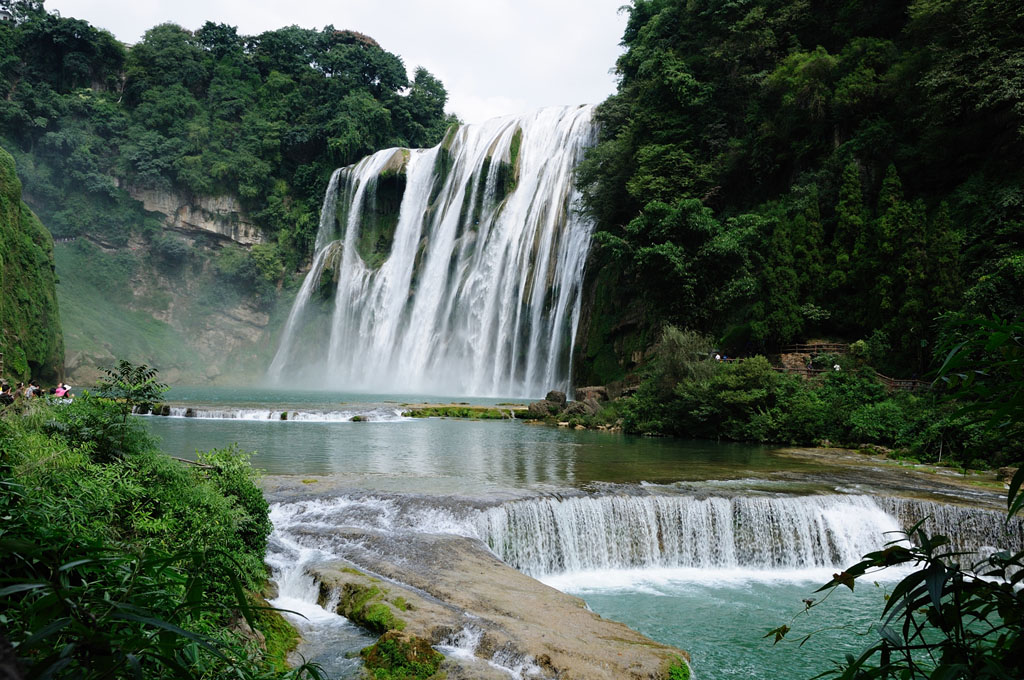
[{"x": 32, "y": 390}]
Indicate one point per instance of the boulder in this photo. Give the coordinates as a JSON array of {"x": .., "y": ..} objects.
[
  {"x": 556, "y": 397},
  {"x": 596, "y": 392},
  {"x": 542, "y": 409},
  {"x": 583, "y": 407}
]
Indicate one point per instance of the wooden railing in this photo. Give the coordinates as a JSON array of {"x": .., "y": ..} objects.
[
  {"x": 817, "y": 348},
  {"x": 908, "y": 384}
]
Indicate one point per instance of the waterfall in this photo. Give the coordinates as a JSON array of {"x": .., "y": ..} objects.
[
  {"x": 551, "y": 536},
  {"x": 970, "y": 530},
  {"x": 451, "y": 270},
  {"x": 622, "y": 532}
]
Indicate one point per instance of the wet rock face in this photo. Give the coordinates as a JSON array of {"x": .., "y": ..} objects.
[{"x": 451, "y": 588}]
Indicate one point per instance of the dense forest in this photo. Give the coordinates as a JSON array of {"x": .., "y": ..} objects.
[
  {"x": 775, "y": 171},
  {"x": 31, "y": 342},
  {"x": 264, "y": 118},
  {"x": 190, "y": 118}
]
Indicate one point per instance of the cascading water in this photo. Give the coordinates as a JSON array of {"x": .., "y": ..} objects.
[
  {"x": 636, "y": 543},
  {"x": 452, "y": 270},
  {"x": 552, "y": 536}
]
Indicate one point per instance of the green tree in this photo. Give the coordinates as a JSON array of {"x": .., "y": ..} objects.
[{"x": 130, "y": 386}]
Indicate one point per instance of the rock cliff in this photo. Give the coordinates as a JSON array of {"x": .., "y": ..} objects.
[{"x": 221, "y": 216}]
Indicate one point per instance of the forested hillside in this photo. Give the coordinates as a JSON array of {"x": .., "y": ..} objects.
[
  {"x": 31, "y": 343},
  {"x": 190, "y": 118},
  {"x": 774, "y": 171}
]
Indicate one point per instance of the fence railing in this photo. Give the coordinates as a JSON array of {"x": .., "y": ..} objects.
[
  {"x": 907, "y": 384},
  {"x": 817, "y": 348}
]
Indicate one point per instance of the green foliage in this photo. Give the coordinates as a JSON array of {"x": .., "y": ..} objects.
[
  {"x": 772, "y": 170},
  {"x": 130, "y": 386},
  {"x": 679, "y": 670},
  {"x": 684, "y": 393},
  {"x": 235, "y": 479},
  {"x": 126, "y": 566},
  {"x": 31, "y": 339},
  {"x": 400, "y": 657},
  {"x": 949, "y": 617},
  {"x": 468, "y": 412},
  {"x": 265, "y": 118}
]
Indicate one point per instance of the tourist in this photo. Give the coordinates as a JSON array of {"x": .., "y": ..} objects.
[
  {"x": 59, "y": 390},
  {"x": 19, "y": 392},
  {"x": 6, "y": 398}
]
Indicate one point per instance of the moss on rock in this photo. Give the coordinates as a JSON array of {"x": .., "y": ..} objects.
[
  {"x": 366, "y": 605},
  {"x": 398, "y": 656},
  {"x": 31, "y": 339},
  {"x": 380, "y": 210}
]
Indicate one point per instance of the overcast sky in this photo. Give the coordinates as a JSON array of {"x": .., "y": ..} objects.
[{"x": 494, "y": 56}]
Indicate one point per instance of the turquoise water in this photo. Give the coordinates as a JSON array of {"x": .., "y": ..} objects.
[{"x": 720, "y": 618}]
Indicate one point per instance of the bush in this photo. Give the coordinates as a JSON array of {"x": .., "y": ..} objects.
[{"x": 120, "y": 561}]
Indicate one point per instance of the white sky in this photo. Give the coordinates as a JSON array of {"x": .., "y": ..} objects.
[{"x": 495, "y": 57}]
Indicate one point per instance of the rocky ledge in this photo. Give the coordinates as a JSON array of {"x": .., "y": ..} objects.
[{"x": 450, "y": 590}]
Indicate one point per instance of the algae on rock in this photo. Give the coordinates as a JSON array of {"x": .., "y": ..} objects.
[{"x": 379, "y": 217}]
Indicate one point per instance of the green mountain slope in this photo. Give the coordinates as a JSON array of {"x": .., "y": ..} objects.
[{"x": 30, "y": 339}]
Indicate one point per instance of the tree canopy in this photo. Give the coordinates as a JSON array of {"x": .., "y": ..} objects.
[
  {"x": 265, "y": 118},
  {"x": 774, "y": 170}
]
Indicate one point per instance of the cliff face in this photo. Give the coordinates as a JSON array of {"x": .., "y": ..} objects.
[
  {"x": 30, "y": 337},
  {"x": 220, "y": 216}
]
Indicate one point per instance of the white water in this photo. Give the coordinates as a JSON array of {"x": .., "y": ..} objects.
[
  {"x": 747, "y": 534},
  {"x": 383, "y": 414},
  {"x": 639, "y": 545},
  {"x": 480, "y": 292}
]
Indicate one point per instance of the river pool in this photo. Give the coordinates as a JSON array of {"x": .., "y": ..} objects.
[{"x": 719, "y": 615}]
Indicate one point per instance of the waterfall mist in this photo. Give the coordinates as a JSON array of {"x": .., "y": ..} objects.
[{"x": 453, "y": 270}]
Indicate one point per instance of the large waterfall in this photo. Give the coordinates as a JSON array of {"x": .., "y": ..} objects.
[{"x": 452, "y": 270}]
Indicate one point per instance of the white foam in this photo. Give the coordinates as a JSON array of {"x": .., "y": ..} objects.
[
  {"x": 668, "y": 580},
  {"x": 258, "y": 415}
]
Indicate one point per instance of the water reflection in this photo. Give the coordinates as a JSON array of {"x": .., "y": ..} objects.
[{"x": 450, "y": 456}]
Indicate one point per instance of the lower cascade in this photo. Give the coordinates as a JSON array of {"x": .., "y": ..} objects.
[
  {"x": 625, "y": 532},
  {"x": 544, "y": 536},
  {"x": 451, "y": 270},
  {"x": 402, "y": 537}
]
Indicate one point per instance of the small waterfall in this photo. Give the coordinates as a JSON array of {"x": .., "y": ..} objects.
[
  {"x": 374, "y": 414},
  {"x": 551, "y": 536},
  {"x": 969, "y": 529},
  {"x": 452, "y": 270}
]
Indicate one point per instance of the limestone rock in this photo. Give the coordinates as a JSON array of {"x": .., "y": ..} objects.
[
  {"x": 556, "y": 397},
  {"x": 542, "y": 409},
  {"x": 220, "y": 216},
  {"x": 583, "y": 407},
  {"x": 448, "y": 583},
  {"x": 596, "y": 392}
]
